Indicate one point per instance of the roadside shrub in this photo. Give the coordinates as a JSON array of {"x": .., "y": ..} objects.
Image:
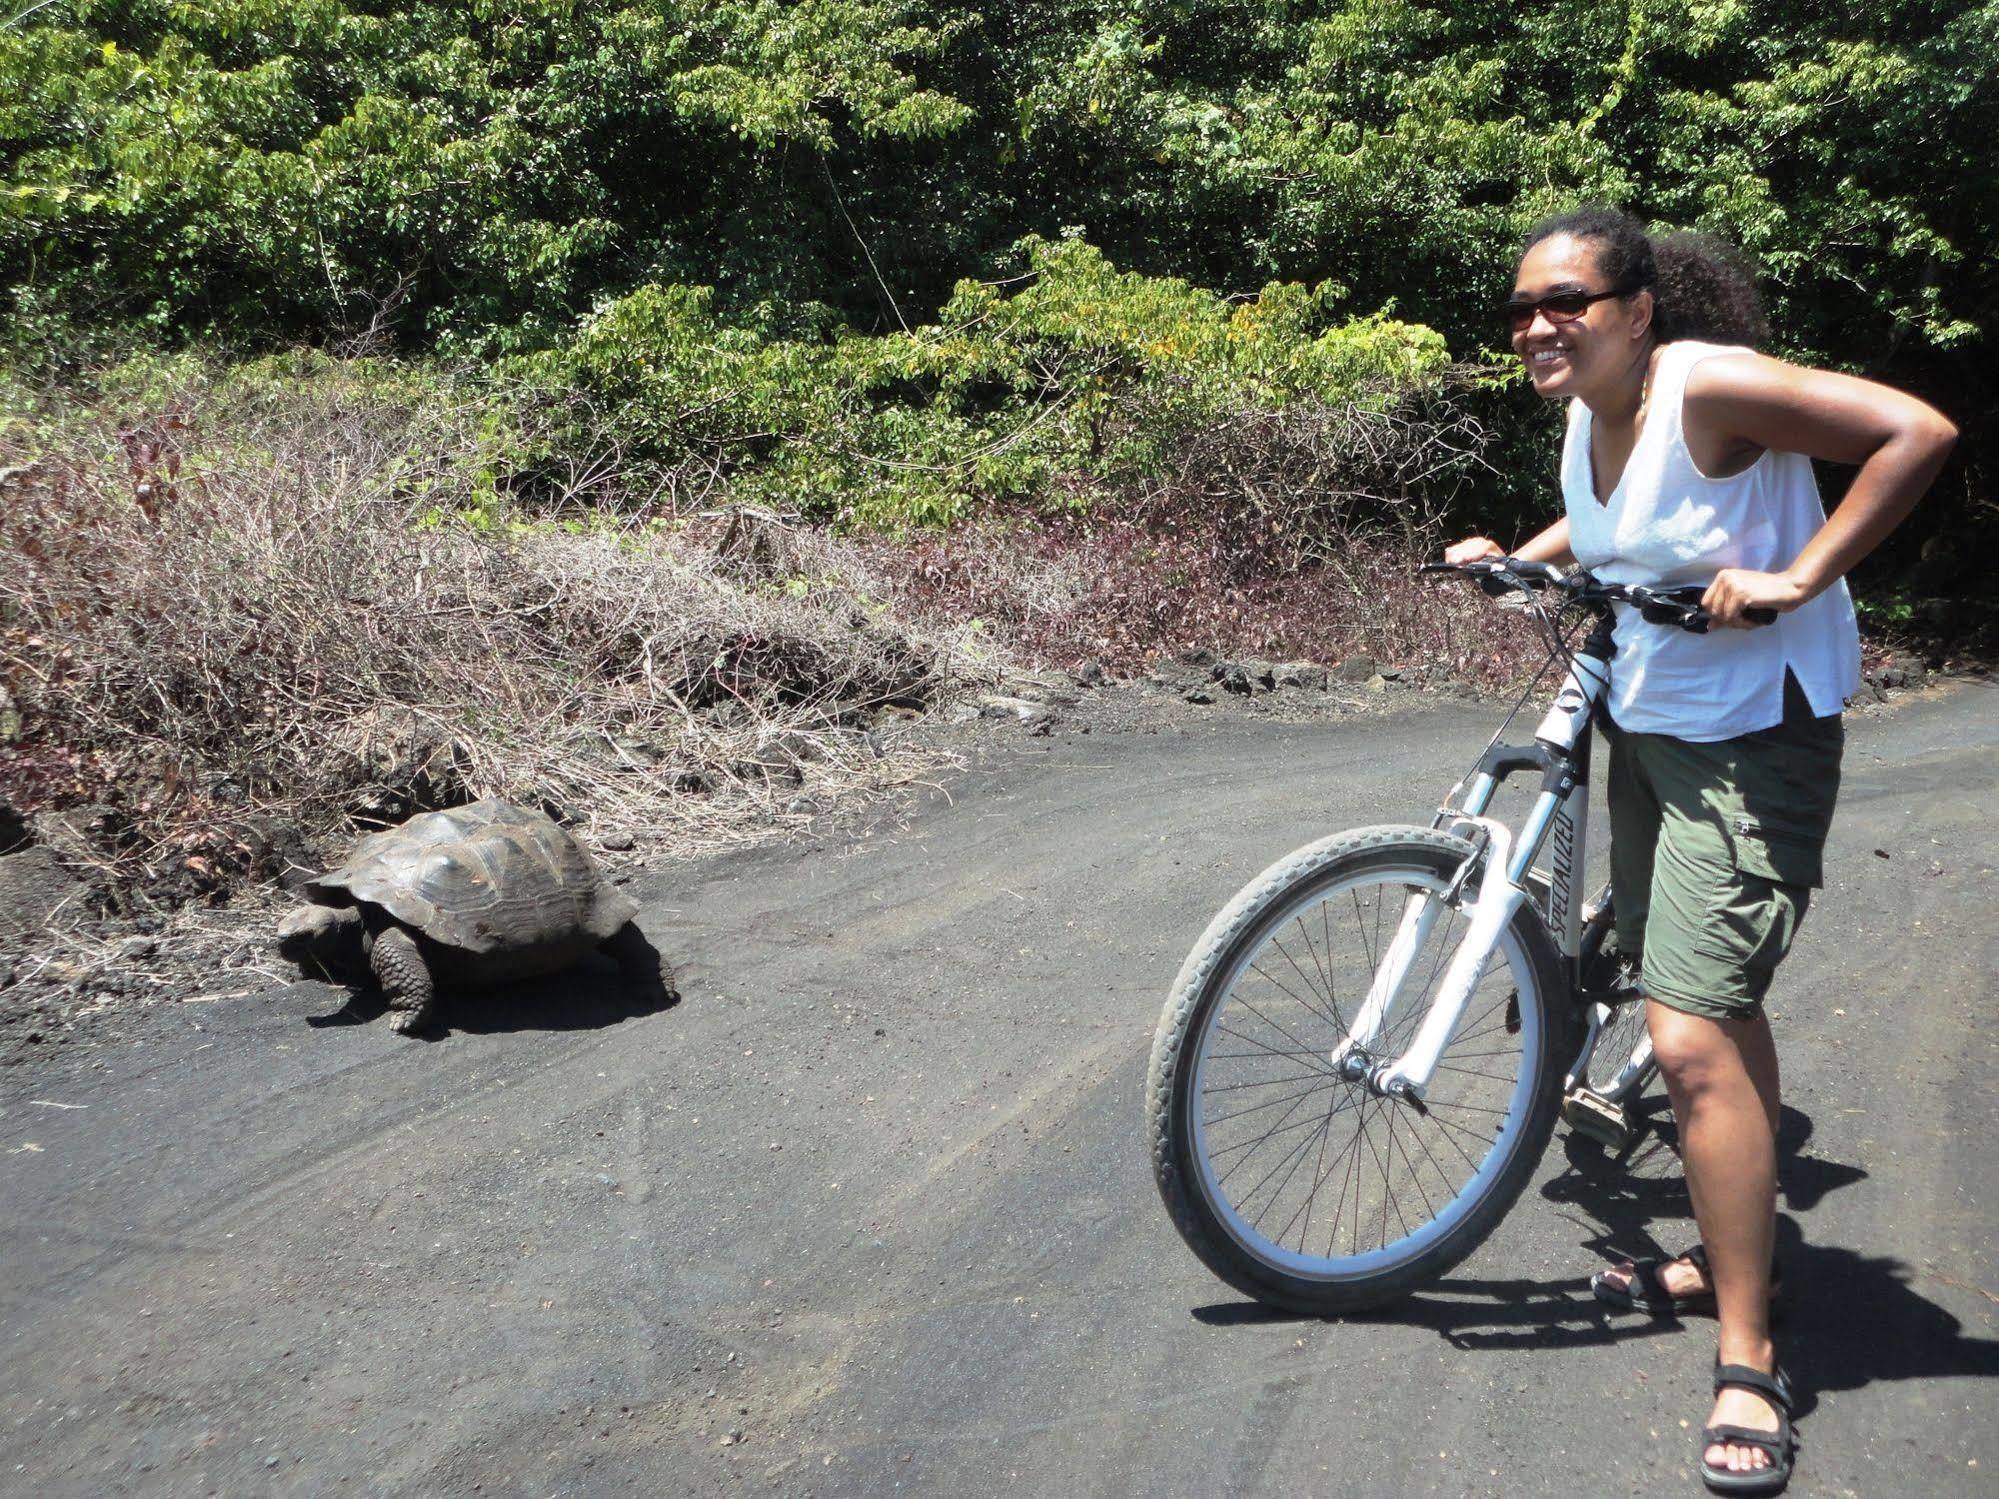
[
  {"x": 242, "y": 612},
  {"x": 1278, "y": 532},
  {"x": 1074, "y": 371}
]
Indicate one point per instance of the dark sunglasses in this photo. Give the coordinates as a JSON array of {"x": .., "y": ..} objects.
[{"x": 1560, "y": 307}]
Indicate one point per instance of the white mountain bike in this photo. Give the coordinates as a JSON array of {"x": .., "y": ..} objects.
[{"x": 1364, "y": 1056}]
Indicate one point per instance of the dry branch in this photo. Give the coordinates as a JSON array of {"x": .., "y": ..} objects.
[{"x": 235, "y": 628}]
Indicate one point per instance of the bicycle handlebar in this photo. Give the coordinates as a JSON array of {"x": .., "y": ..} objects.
[{"x": 1679, "y": 606}]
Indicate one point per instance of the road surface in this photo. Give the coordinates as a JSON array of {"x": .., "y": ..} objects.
[{"x": 870, "y": 1212}]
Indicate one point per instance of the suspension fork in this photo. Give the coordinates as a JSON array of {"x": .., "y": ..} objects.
[
  {"x": 1502, "y": 889},
  {"x": 1561, "y": 752}
]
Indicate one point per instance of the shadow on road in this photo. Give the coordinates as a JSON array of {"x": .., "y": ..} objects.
[
  {"x": 1621, "y": 1197},
  {"x": 1473, "y": 1314},
  {"x": 1858, "y": 1318},
  {"x": 590, "y": 997},
  {"x": 1849, "y": 1319}
]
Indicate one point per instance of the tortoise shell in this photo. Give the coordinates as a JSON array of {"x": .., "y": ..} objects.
[{"x": 486, "y": 878}]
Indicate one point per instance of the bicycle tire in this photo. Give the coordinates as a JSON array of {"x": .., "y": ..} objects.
[{"x": 1186, "y": 1138}]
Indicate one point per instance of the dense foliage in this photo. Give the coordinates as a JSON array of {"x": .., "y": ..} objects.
[
  {"x": 754, "y": 186},
  {"x": 1081, "y": 373}
]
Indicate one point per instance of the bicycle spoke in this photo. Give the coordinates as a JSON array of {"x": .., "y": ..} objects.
[
  {"x": 1304, "y": 979},
  {"x": 1361, "y": 928},
  {"x": 1257, "y": 1108},
  {"x": 1326, "y": 931},
  {"x": 1415, "y": 1177},
  {"x": 1282, "y": 988},
  {"x": 1311, "y": 1197},
  {"x": 1297, "y": 1159},
  {"x": 1386, "y": 1162},
  {"x": 1250, "y": 1196},
  {"x": 1246, "y": 1148},
  {"x": 1351, "y": 1155},
  {"x": 1265, "y": 1049},
  {"x": 1491, "y": 1077},
  {"x": 1442, "y": 1175},
  {"x": 1453, "y": 1131},
  {"x": 1325, "y": 973},
  {"x": 1272, "y": 1024},
  {"x": 1465, "y": 1108},
  {"x": 1444, "y": 949},
  {"x": 1280, "y": 1128}
]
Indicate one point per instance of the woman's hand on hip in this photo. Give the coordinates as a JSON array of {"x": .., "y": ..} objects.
[{"x": 1736, "y": 589}]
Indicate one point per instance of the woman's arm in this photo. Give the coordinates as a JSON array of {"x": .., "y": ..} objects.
[
  {"x": 1552, "y": 545},
  {"x": 1898, "y": 442}
]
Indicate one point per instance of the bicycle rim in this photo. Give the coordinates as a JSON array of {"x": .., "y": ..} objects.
[{"x": 1317, "y": 1181}]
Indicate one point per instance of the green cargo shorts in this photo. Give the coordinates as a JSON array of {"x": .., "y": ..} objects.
[{"x": 1715, "y": 850}]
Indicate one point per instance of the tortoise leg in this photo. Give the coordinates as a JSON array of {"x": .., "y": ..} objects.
[
  {"x": 645, "y": 970},
  {"x": 405, "y": 980}
]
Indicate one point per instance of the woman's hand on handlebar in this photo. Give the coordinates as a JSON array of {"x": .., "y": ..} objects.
[
  {"x": 1735, "y": 590},
  {"x": 1472, "y": 549}
]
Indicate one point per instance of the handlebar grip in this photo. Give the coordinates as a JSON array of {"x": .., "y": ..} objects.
[
  {"x": 1699, "y": 621},
  {"x": 1689, "y": 595}
]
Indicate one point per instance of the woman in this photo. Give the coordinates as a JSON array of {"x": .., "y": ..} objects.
[{"x": 1688, "y": 460}]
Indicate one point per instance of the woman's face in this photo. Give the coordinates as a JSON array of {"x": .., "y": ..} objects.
[{"x": 1598, "y": 350}]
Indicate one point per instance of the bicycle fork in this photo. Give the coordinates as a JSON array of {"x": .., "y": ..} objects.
[
  {"x": 1500, "y": 893},
  {"x": 1560, "y": 752},
  {"x": 1407, "y": 1076}
]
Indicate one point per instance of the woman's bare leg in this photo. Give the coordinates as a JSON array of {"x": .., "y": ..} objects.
[
  {"x": 1759, "y": 1057},
  {"x": 1721, "y": 1076}
]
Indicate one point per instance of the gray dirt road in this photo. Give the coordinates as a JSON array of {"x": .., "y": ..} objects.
[{"x": 870, "y": 1210}]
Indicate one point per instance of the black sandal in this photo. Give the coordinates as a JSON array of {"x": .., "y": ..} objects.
[
  {"x": 1781, "y": 1445},
  {"x": 1645, "y": 1292}
]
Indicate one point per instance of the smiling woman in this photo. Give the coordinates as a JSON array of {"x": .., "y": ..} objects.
[{"x": 1688, "y": 460}]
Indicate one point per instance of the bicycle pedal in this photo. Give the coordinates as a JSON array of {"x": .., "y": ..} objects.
[{"x": 1593, "y": 1115}]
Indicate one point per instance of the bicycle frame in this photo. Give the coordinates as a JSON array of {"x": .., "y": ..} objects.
[{"x": 1558, "y": 821}]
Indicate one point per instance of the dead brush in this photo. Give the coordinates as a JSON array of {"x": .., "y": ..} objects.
[
  {"x": 1289, "y": 532},
  {"x": 245, "y": 621}
]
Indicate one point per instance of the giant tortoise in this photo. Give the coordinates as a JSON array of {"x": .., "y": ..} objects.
[{"x": 473, "y": 895}]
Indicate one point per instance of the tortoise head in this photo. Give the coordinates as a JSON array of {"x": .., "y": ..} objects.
[{"x": 325, "y": 939}]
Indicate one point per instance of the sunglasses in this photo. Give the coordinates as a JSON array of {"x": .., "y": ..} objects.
[{"x": 1559, "y": 307}]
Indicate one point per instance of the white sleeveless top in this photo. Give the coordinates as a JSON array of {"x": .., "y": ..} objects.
[{"x": 1668, "y": 523}]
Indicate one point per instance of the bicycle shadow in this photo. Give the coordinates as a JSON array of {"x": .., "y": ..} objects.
[
  {"x": 1629, "y": 1194},
  {"x": 1850, "y": 1319},
  {"x": 1472, "y": 1314}
]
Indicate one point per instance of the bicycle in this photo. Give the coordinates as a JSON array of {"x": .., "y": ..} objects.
[{"x": 1347, "y": 1003}]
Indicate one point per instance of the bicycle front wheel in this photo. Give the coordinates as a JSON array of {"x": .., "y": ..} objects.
[{"x": 1295, "y": 1185}]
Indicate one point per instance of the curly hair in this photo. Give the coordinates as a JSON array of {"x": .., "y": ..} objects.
[{"x": 1702, "y": 287}]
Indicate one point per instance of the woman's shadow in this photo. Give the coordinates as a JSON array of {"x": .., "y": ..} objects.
[{"x": 1850, "y": 1318}]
